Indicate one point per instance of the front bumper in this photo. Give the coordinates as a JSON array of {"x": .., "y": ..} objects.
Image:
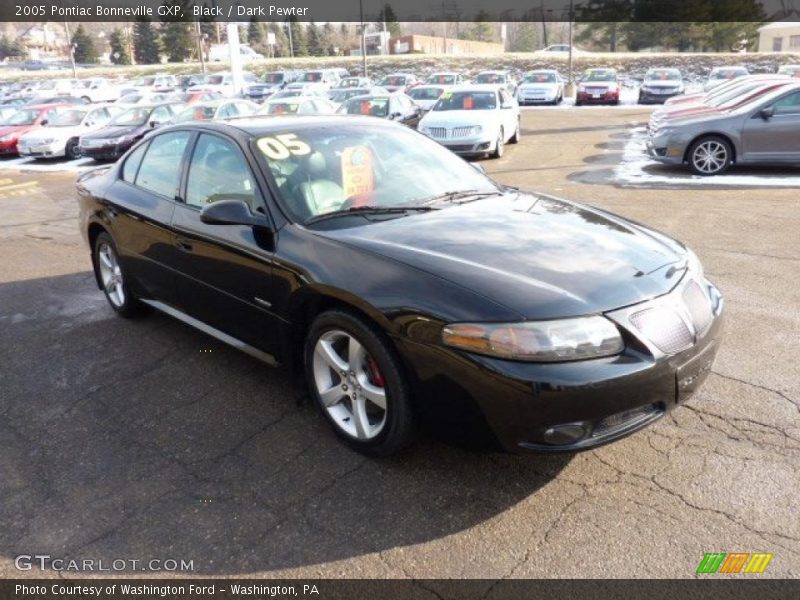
[
  {"x": 8, "y": 148},
  {"x": 650, "y": 97},
  {"x": 669, "y": 154},
  {"x": 591, "y": 98},
  {"x": 525, "y": 97},
  {"x": 36, "y": 150},
  {"x": 468, "y": 146},
  {"x": 105, "y": 151},
  {"x": 571, "y": 406}
]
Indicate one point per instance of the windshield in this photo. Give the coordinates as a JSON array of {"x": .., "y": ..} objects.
[
  {"x": 376, "y": 107},
  {"x": 132, "y": 118},
  {"x": 342, "y": 95},
  {"x": 540, "y": 78},
  {"x": 425, "y": 93},
  {"x": 466, "y": 101},
  {"x": 393, "y": 80},
  {"x": 23, "y": 117},
  {"x": 215, "y": 79},
  {"x": 68, "y": 117},
  {"x": 663, "y": 75},
  {"x": 442, "y": 79},
  {"x": 490, "y": 78},
  {"x": 312, "y": 76},
  {"x": 144, "y": 81},
  {"x": 600, "y": 76},
  {"x": 727, "y": 73},
  {"x": 282, "y": 108},
  {"x": 196, "y": 113},
  {"x": 287, "y": 94},
  {"x": 273, "y": 78},
  {"x": 330, "y": 168}
]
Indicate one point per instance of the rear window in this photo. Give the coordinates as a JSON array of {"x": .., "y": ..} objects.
[
  {"x": 376, "y": 107},
  {"x": 282, "y": 108},
  {"x": 540, "y": 78},
  {"x": 160, "y": 169},
  {"x": 491, "y": 78},
  {"x": 425, "y": 93}
]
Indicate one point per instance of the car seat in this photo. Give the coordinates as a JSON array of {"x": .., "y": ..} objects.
[{"x": 319, "y": 194}]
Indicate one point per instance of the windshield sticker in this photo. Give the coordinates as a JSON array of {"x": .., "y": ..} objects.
[
  {"x": 282, "y": 146},
  {"x": 357, "y": 171}
]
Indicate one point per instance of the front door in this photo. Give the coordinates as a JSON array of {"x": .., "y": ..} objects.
[{"x": 776, "y": 137}]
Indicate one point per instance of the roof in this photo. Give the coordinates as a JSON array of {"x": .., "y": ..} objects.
[
  {"x": 258, "y": 125},
  {"x": 779, "y": 25}
]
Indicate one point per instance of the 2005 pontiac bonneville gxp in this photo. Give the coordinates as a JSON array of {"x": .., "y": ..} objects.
[{"x": 405, "y": 281}]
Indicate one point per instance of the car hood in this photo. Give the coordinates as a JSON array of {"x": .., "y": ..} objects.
[
  {"x": 539, "y": 256},
  {"x": 17, "y": 129},
  {"x": 112, "y": 132},
  {"x": 459, "y": 118},
  {"x": 532, "y": 85},
  {"x": 55, "y": 133}
]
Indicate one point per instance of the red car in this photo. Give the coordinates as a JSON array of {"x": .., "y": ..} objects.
[
  {"x": 26, "y": 119},
  {"x": 598, "y": 86}
]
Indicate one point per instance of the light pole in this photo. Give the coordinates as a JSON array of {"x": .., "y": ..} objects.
[
  {"x": 570, "y": 17},
  {"x": 70, "y": 48},
  {"x": 200, "y": 45},
  {"x": 363, "y": 38}
]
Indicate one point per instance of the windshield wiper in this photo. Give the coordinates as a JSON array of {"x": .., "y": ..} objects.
[
  {"x": 375, "y": 210},
  {"x": 461, "y": 196}
]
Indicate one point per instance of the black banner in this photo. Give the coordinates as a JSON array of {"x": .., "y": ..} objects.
[
  {"x": 730, "y": 588},
  {"x": 405, "y": 10}
]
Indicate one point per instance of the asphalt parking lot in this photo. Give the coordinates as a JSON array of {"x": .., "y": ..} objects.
[{"x": 145, "y": 439}]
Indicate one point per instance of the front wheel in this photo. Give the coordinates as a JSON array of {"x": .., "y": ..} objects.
[
  {"x": 515, "y": 138},
  {"x": 499, "y": 145},
  {"x": 710, "y": 155},
  {"x": 72, "y": 150},
  {"x": 112, "y": 278},
  {"x": 357, "y": 380}
]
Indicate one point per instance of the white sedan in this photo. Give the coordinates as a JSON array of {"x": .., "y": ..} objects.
[
  {"x": 426, "y": 95},
  {"x": 299, "y": 105},
  {"x": 62, "y": 130},
  {"x": 474, "y": 120},
  {"x": 543, "y": 86}
]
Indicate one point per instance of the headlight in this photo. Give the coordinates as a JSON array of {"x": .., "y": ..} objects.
[
  {"x": 476, "y": 130},
  {"x": 645, "y": 88},
  {"x": 538, "y": 341},
  {"x": 7, "y": 138},
  {"x": 581, "y": 87}
]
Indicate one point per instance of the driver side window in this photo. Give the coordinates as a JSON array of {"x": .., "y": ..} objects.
[
  {"x": 788, "y": 105},
  {"x": 218, "y": 171}
]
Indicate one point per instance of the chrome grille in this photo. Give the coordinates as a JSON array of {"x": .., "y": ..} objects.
[
  {"x": 438, "y": 132},
  {"x": 698, "y": 306},
  {"x": 664, "y": 328},
  {"x": 460, "y": 132}
]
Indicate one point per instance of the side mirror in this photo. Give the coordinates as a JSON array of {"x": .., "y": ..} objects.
[
  {"x": 767, "y": 113},
  {"x": 153, "y": 123},
  {"x": 231, "y": 212},
  {"x": 43, "y": 122},
  {"x": 395, "y": 115}
]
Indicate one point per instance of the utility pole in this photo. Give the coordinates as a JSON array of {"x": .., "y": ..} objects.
[
  {"x": 70, "y": 49},
  {"x": 291, "y": 44},
  {"x": 363, "y": 38},
  {"x": 571, "y": 18}
]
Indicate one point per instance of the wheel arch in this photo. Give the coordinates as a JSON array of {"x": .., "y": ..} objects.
[
  {"x": 708, "y": 134},
  {"x": 92, "y": 233}
]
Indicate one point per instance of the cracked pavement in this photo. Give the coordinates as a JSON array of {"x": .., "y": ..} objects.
[{"x": 146, "y": 439}]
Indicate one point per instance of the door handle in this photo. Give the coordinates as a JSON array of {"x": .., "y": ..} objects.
[{"x": 184, "y": 245}]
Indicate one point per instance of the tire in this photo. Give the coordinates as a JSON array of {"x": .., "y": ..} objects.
[
  {"x": 349, "y": 390},
  {"x": 500, "y": 145},
  {"x": 578, "y": 103},
  {"x": 86, "y": 99},
  {"x": 710, "y": 155},
  {"x": 113, "y": 279},
  {"x": 517, "y": 134},
  {"x": 72, "y": 151}
]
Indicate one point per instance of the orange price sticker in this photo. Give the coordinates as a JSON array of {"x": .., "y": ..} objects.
[{"x": 357, "y": 175}]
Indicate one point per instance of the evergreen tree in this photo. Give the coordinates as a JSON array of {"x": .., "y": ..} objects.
[
  {"x": 10, "y": 48},
  {"x": 176, "y": 32},
  {"x": 329, "y": 39},
  {"x": 314, "y": 40},
  {"x": 85, "y": 51},
  {"x": 281, "y": 39},
  {"x": 386, "y": 15},
  {"x": 482, "y": 30},
  {"x": 119, "y": 49},
  {"x": 256, "y": 36},
  {"x": 524, "y": 38},
  {"x": 146, "y": 48},
  {"x": 298, "y": 38}
]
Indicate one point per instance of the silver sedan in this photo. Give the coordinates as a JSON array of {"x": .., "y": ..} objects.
[{"x": 764, "y": 130}]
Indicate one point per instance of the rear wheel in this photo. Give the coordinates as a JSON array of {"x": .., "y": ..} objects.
[
  {"x": 112, "y": 278},
  {"x": 72, "y": 151},
  {"x": 515, "y": 138},
  {"x": 357, "y": 381},
  {"x": 710, "y": 155}
]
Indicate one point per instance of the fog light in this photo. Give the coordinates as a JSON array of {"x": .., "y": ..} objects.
[
  {"x": 568, "y": 433},
  {"x": 674, "y": 152}
]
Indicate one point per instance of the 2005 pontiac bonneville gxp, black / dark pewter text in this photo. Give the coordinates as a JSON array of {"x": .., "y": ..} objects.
[{"x": 409, "y": 286}]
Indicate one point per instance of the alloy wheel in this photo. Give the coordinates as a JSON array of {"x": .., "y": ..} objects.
[
  {"x": 111, "y": 275},
  {"x": 710, "y": 157},
  {"x": 350, "y": 385}
]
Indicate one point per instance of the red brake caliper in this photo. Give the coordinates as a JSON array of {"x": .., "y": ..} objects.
[{"x": 374, "y": 372}]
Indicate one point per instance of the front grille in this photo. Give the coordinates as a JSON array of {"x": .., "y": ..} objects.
[
  {"x": 698, "y": 306},
  {"x": 438, "y": 132},
  {"x": 626, "y": 419},
  {"x": 459, "y": 147},
  {"x": 664, "y": 328},
  {"x": 460, "y": 131}
]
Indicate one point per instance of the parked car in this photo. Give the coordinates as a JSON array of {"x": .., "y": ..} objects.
[
  {"x": 425, "y": 96},
  {"x": 222, "y": 83},
  {"x": 398, "y": 82},
  {"x": 659, "y": 85},
  {"x": 765, "y": 129},
  {"x": 216, "y": 109},
  {"x": 448, "y": 78},
  {"x": 24, "y": 120},
  {"x": 61, "y": 131},
  {"x": 790, "y": 70},
  {"x": 542, "y": 86},
  {"x": 353, "y": 82},
  {"x": 53, "y": 87},
  {"x": 722, "y": 88},
  {"x": 270, "y": 83},
  {"x": 474, "y": 120},
  {"x": 221, "y": 53},
  {"x": 96, "y": 89},
  {"x": 37, "y": 100},
  {"x": 559, "y": 49},
  {"x": 295, "y": 92},
  {"x": 340, "y": 95},
  {"x": 720, "y": 75},
  {"x": 299, "y": 105},
  {"x": 125, "y": 129},
  {"x": 598, "y": 86},
  {"x": 405, "y": 286},
  {"x": 320, "y": 80},
  {"x": 6, "y": 111},
  {"x": 503, "y": 78},
  {"x": 392, "y": 106}
]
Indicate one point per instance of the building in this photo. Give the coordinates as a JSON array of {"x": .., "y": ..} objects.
[
  {"x": 780, "y": 36},
  {"x": 425, "y": 44}
]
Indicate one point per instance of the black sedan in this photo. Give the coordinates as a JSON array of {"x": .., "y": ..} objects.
[
  {"x": 393, "y": 106},
  {"x": 404, "y": 284},
  {"x": 127, "y": 128}
]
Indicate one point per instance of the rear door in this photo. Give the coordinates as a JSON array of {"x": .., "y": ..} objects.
[
  {"x": 776, "y": 138},
  {"x": 224, "y": 271}
]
